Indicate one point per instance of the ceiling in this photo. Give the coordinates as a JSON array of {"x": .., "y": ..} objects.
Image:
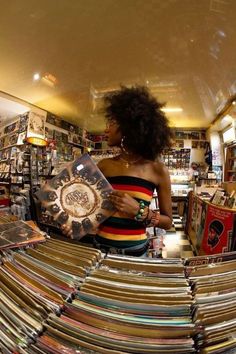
[
  {"x": 183, "y": 50},
  {"x": 9, "y": 109}
]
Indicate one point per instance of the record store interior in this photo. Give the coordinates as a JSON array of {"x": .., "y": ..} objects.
[{"x": 164, "y": 279}]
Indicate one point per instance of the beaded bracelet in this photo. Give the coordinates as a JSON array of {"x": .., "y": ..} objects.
[{"x": 139, "y": 215}]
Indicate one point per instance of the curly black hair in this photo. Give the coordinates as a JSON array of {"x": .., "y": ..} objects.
[{"x": 143, "y": 124}]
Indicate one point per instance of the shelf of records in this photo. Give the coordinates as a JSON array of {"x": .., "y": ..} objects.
[
  {"x": 184, "y": 134},
  {"x": 195, "y": 144},
  {"x": 75, "y": 134},
  {"x": 197, "y": 137},
  {"x": 230, "y": 164},
  {"x": 20, "y": 164},
  {"x": 101, "y": 150},
  {"x": 15, "y": 133},
  {"x": 211, "y": 227},
  {"x": 176, "y": 159},
  {"x": 62, "y": 297}
]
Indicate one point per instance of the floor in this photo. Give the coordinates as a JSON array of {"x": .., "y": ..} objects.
[{"x": 176, "y": 242}]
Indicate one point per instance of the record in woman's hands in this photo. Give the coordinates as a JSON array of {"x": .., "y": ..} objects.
[{"x": 78, "y": 196}]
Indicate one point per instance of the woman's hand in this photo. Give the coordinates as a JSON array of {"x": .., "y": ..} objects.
[
  {"x": 124, "y": 203},
  {"x": 67, "y": 231}
]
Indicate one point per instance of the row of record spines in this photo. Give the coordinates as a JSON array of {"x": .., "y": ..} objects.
[{"x": 189, "y": 264}]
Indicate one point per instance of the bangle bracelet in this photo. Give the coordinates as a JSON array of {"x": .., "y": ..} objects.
[
  {"x": 139, "y": 215},
  {"x": 154, "y": 219}
]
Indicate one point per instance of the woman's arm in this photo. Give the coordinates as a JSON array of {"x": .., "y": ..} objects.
[{"x": 164, "y": 199}]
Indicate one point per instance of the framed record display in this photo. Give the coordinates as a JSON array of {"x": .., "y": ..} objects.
[{"x": 78, "y": 196}]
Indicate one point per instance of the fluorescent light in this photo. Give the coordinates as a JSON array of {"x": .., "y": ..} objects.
[
  {"x": 227, "y": 119},
  {"x": 229, "y": 135},
  {"x": 49, "y": 79},
  {"x": 172, "y": 110}
]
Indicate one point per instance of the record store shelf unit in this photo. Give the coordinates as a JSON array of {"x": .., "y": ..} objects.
[
  {"x": 66, "y": 297},
  {"x": 230, "y": 163},
  {"x": 24, "y": 167},
  {"x": 176, "y": 158}
]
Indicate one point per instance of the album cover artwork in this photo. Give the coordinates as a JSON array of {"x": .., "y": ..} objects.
[
  {"x": 49, "y": 133},
  {"x": 21, "y": 138},
  {"x": 36, "y": 124},
  {"x": 23, "y": 123},
  {"x": 13, "y": 139},
  {"x": 78, "y": 196},
  {"x": 18, "y": 233},
  {"x": 11, "y": 128}
]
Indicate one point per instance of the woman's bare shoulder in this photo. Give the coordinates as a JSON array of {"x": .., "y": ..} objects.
[
  {"x": 160, "y": 168},
  {"x": 160, "y": 172}
]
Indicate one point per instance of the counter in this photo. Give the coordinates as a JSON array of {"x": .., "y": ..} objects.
[{"x": 211, "y": 228}]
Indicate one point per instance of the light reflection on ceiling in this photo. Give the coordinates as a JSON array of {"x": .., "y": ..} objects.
[{"x": 183, "y": 50}]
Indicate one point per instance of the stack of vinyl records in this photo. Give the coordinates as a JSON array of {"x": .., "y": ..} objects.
[
  {"x": 35, "y": 283},
  {"x": 127, "y": 306},
  {"x": 19, "y": 234},
  {"x": 25, "y": 303},
  {"x": 214, "y": 292},
  {"x": 72, "y": 258},
  {"x": 7, "y": 217}
]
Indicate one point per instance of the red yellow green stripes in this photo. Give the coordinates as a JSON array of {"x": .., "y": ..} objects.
[
  {"x": 134, "y": 191},
  {"x": 120, "y": 234},
  {"x": 120, "y": 229},
  {"x": 120, "y": 237}
]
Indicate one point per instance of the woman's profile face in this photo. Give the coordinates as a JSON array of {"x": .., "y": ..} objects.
[{"x": 112, "y": 133}]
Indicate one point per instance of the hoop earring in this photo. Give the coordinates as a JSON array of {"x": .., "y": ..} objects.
[{"x": 122, "y": 145}]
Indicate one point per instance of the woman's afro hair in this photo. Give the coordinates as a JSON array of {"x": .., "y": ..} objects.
[{"x": 143, "y": 124}]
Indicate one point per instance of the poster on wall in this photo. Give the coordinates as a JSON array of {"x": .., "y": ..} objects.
[
  {"x": 36, "y": 124},
  {"x": 218, "y": 231}
]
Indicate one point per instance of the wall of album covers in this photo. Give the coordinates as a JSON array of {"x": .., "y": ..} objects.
[
  {"x": 25, "y": 167},
  {"x": 61, "y": 297}
]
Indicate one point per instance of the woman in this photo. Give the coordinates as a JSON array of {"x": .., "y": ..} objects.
[{"x": 135, "y": 123}]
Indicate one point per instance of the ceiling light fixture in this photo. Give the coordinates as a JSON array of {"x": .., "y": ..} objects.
[
  {"x": 172, "y": 110},
  {"x": 36, "y": 141},
  {"x": 36, "y": 76},
  {"x": 227, "y": 119},
  {"x": 234, "y": 103},
  {"x": 50, "y": 79}
]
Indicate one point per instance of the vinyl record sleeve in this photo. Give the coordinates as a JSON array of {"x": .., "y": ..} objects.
[
  {"x": 173, "y": 343},
  {"x": 76, "y": 250},
  {"x": 19, "y": 233},
  {"x": 109, "y": 340},
  {"x": 54, "y": 253},
  {"x": 59, "y": 264},
  {"x": 78, "y": 196}
]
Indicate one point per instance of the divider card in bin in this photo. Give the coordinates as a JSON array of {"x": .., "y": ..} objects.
[{"x": 78, "y": 196}]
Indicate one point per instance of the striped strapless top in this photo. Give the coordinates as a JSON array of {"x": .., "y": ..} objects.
[{"x": 120, "y": 231}]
